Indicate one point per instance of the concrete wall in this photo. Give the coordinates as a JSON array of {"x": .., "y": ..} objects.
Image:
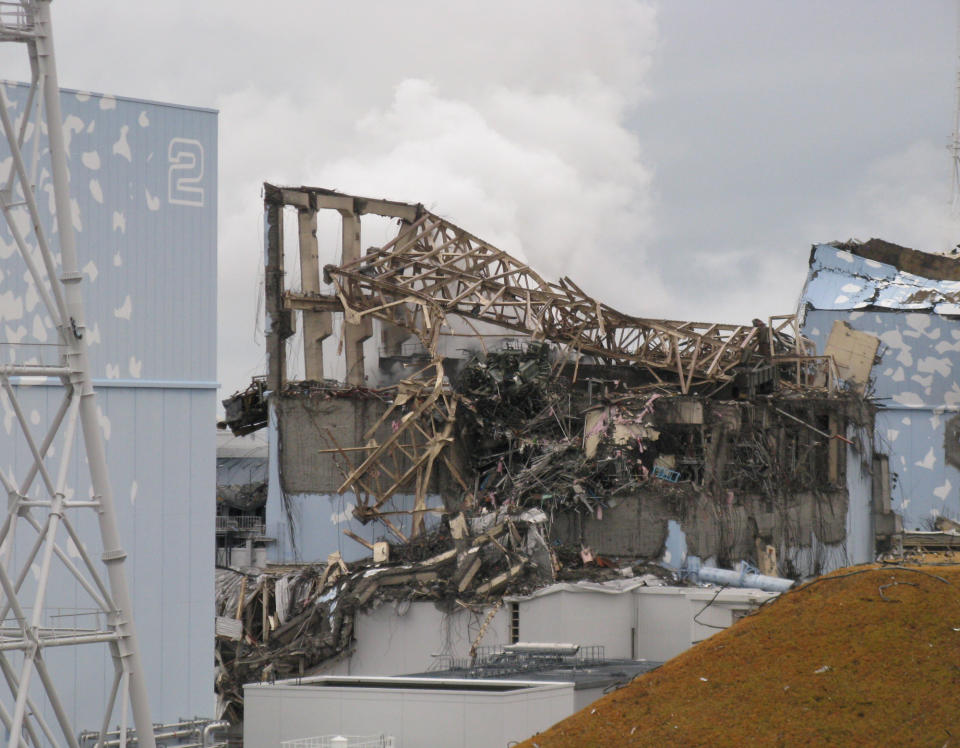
[
  {"x": 415, "y": 717},
  {"x": 403, "y": 638},
  {"x": 309, "y": 525},
  {"x": 670, "y": 620},
  {"x": 585, "y": 618},
  {"x": 310, "y": 423},
  {"x": 648, "y": 525}
]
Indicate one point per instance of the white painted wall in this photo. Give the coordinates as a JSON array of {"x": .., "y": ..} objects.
[
  {"x": 665, "y": 616},
  {"x": 398, "y": 639},
  {"x": 584, "y": 618},
  {"x": 416, "y": 718}
]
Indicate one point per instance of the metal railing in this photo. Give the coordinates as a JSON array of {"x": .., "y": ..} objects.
[
  {"x": 341, "y": 741},
  {"x": 494, "y": 661},
  {"x": 249, "y": 524},
  {"x": 188, "y": 733},
  {"x": 14, "y": 17}
]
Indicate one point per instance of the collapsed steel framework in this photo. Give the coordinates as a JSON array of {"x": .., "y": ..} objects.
[
  {"x": 43, "y": 516},
  {"x": 433, "y": 272}
]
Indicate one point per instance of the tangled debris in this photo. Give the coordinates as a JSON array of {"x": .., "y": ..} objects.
[
  {"x": 515, "y": 454},
  {"x": 436, "y": 279},
  {"x": 862, "y": 657},
  {"x": 289, "y": 621}
]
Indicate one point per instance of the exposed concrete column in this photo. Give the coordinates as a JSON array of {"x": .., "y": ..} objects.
[
  {"x": 354, "y": 335},
  {"x": 278, "y": 321},
  {"x": 317, "y": 326},
  {"x": 392, "y": 336}
]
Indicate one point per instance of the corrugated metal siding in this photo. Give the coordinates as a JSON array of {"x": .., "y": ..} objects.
[
  {"x": 136, "y": 244},
  {"x": 160, "y": 406},
  {"x": 840, "y": 279},
  {"x": 915, "y": 382}
]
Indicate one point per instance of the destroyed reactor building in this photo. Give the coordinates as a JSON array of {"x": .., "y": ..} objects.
[
  {"x": 471, "y": 385},
  {"x": 450, "y": 435}
]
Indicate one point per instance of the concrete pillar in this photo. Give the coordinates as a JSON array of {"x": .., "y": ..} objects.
[
  {"x": 317, "y": 326},
  {"x": 393, "y": 336},
  {"x": 278, "y": 321},
  {"x": 354, "y": 335}
]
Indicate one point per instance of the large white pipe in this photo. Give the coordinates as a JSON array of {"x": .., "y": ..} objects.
[{"x": 742, "y": 578}]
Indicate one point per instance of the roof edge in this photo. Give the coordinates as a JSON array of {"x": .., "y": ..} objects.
[
  {"x": 129, "y": 99},
  {"x": 924, "y": 264}
]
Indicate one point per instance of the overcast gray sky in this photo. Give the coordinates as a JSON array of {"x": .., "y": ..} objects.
[{"x": 676, "y": 159}]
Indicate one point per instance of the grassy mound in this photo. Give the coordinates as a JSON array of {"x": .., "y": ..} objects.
[{"x": 865, "y": 656}]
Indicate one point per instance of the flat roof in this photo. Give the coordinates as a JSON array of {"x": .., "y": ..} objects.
[
  {"x": 609, "y": 673},
  {"x": 426, "y": 682}
]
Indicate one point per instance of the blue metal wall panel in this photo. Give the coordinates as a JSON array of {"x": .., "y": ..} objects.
[
  {"x": 916, "y": 388},
  {"x": 146, "y": 239},
  {"x": 146, "y": 236}
]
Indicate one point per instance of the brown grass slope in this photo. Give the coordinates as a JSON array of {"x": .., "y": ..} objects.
[{"x": 865, "y": 656}]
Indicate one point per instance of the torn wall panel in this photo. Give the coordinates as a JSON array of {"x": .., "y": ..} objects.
[
  {"x": 908, "y": 305},
  {"x": 854, "y": 352}
]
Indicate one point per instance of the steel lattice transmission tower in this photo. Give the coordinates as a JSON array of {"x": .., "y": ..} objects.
[
  {"x": 40, "y": 517},
  {"x": 954, "y": 146}
]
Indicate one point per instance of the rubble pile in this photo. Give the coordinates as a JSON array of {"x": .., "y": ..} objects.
[
  {"x": 535, "y": 437},
  {"x": 571, "y": 433},
  {"x": 864, "y": 656},
  {"x": 291, "y": 620}
]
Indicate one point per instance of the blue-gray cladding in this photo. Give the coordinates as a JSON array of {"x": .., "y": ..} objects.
[
  {"x": 914, "y": 382},
  {"x": 144, "y": 187}
]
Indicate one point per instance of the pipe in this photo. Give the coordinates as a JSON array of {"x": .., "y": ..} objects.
[
  {"x": 221, "y": 725},
  {"x": 745, "y": 577},
  {"x": 170, "y": 732}
]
